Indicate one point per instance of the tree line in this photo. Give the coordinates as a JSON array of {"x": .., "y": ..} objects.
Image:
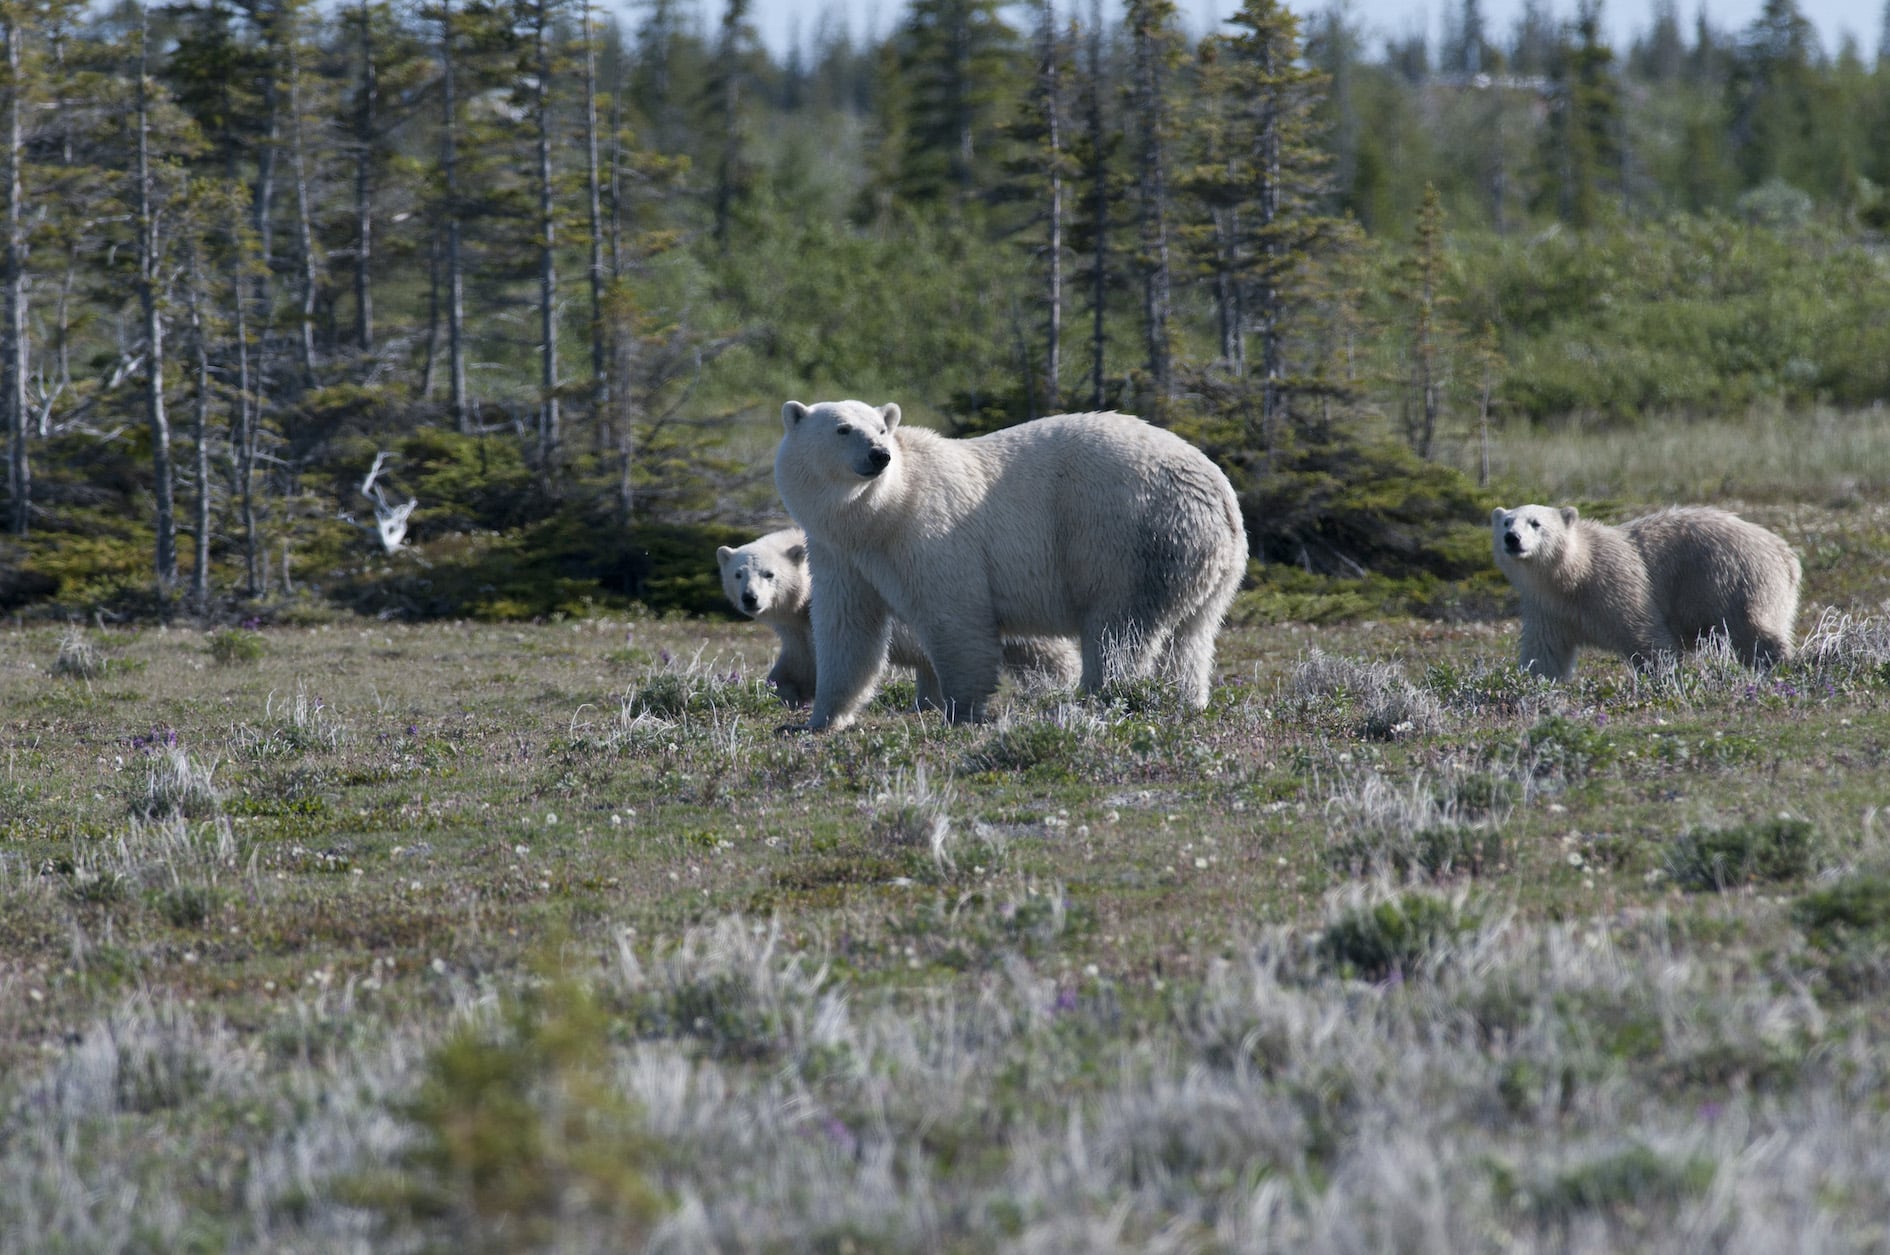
[{"x": 533, "y": 265}]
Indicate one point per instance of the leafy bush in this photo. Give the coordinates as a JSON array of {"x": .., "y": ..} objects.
[
  {"x": 520, "y": 1122},
  {"x": 1856, "y": 908},
  {"x": 1036, "y": 748},
  {"x": 1394, "y": 937},
  {"x": 1633, "y": 1177},
  {"x": 1721, "y": 858},
  {"x": 231, "y": 647},
  {"x": 1561, "y": 746}
]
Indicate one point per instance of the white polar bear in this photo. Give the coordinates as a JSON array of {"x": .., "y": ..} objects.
[
  {"x": 1656, "y": 584},
  {"x": 767, "y": 580},
  {"x": 1097, "y": 526}
]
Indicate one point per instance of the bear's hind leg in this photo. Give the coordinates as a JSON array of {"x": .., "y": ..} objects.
[
  {"x": 967, "y": 675},
  {"x": 1188, "y": 660}
]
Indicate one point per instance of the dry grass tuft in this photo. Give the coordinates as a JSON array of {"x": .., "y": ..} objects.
[{"x": 1372, "y": 699}]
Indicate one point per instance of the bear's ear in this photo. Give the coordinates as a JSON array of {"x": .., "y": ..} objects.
[
  {"x": 722, "y": 554},
  {"x": 792, "y": 413},
  {"x": 797, "y": 554},
  {"x": 1499, "y": 515},
  {"x": 1570, "y": 514},
  {"x": 890, "y": 412}
]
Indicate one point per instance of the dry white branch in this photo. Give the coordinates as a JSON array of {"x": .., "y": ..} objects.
[{"x": 390, "y": 520}]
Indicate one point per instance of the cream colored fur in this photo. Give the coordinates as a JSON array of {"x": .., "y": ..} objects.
[
  {"x": 1660, "y": 583},
  {"x": 767, "y": 579},
  {"x": 1096, "y": 526}
]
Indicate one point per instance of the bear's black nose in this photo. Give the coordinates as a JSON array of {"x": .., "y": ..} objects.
[
  {"x": 1512, "y": 542},
  {"x": 877, "y": 458},
  {"x": 749, "y": 602}
]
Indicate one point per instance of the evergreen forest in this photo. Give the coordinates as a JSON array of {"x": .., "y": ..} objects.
[{"x": 486, "y": 307}]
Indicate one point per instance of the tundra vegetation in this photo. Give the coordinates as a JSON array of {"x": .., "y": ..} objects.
[
  {"x": 464, "y": 895},
  {"x": 539, "y": 936}
]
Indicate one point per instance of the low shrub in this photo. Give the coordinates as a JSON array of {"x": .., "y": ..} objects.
[{"x": 1723, "y": 858}]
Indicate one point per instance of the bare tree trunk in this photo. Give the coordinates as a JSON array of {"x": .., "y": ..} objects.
[
  {"x": 13, "y": 351},
  {"x": 244, "y": 435},
  {"x": 200, "y": 437},
  {"x": 429, "y": 372},
  {"x": 1226, "y": 224},
  {"x": 62, "y": 315},
  {"x": 455, "y": 281},
  {"x": 600, "y": 356},
  {"x": 1148, "y": 22},
  {"x": 616, "y": 181},
  {"x": 264, "y": 210},
  {"x": 1098, "y": 208},
  {"x": 148, "y": 297},
  {"x": 548, "y": 423},
  {"x": 304, "y": 224},
  {"x": 364, "y": 188}
]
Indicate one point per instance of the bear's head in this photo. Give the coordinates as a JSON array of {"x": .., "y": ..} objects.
[
  {"x": 1530, "y": 532},
  {"x": 766, "y": 574},
  {"x": 842, "y": 444}
]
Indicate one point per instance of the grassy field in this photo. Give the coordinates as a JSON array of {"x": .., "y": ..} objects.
[{"x": 495, "y": 938}]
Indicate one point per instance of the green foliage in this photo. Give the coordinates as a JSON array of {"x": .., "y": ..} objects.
[
  {"x": 1398, "y": 936},
  {"x": 1686, "y": 317},
  {"x": 520, "y": 1120},
  {"x": 1724, "y": 858}
]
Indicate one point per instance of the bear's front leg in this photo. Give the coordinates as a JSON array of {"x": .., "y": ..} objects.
[
  {"x": 1545, "y": 653},
  {"x": 851, "y": 627}
]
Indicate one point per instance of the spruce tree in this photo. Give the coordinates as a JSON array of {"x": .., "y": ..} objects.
[
  {"x": 1275, "y": 183},
  {"x": 957, "y": 62}
]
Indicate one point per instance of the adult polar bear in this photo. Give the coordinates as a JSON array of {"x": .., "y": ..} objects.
[
  {"x": 1097, "y": 526},
  {"x": 1658, "y": 583}
]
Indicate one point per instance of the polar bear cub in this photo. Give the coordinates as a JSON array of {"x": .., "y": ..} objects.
[
  {"x": 1097, "y": 526},
  {"x": 767, "y": 580},
  {"x": 1658, "y": 583}
]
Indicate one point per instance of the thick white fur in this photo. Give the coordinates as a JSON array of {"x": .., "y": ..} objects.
[
  {"x": 1096, "y": 526},
  {"x": 1658, "y": 583},
  {"x": 767, "y": 579}
]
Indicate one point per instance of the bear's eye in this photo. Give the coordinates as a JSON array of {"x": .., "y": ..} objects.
[
  {"x": 843, "y": 430},
  {"x": 1535, "y": 524},
  {"x": 767, "y": 575}
]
